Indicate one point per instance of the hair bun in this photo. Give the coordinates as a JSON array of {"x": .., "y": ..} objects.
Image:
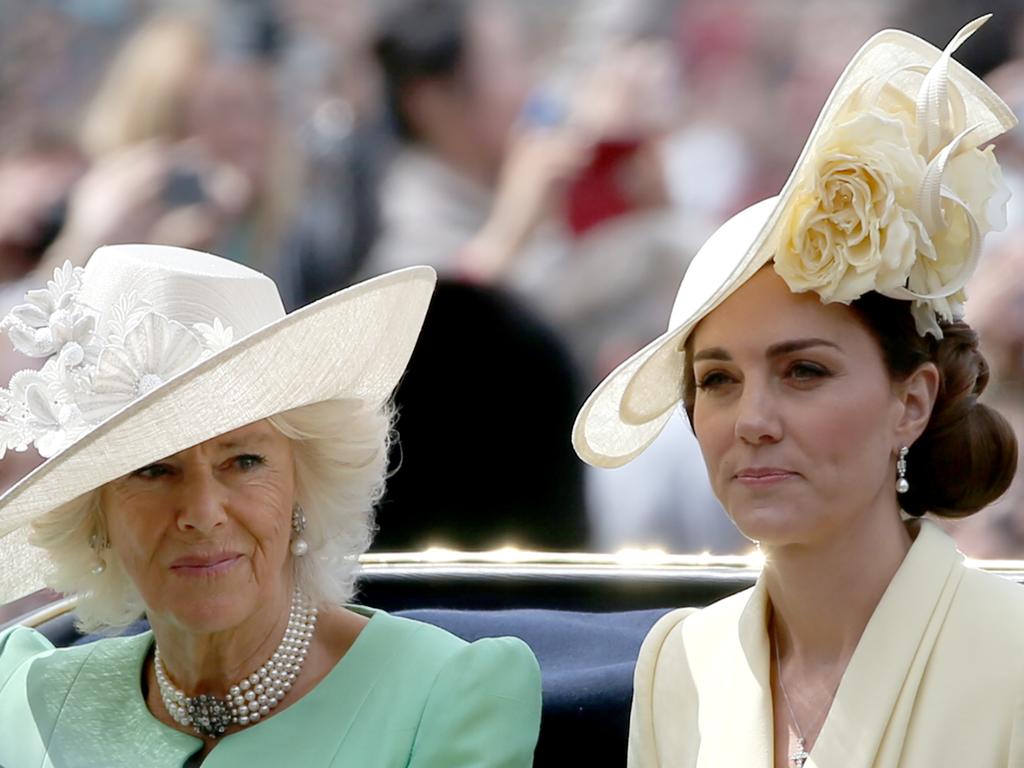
[{"x": 967, "y": 456}]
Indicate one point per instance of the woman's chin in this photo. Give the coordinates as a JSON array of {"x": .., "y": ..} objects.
[
  {"x": 773, "y": 525},
  {"x": 214, "y": 611}
]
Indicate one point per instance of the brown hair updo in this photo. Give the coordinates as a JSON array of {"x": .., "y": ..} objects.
[{"x": 967, "y": 456}]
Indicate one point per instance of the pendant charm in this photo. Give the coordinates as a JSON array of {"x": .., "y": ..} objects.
[
  {"x": 210, "y": 716},
  {"x": 800, "y": 756}
]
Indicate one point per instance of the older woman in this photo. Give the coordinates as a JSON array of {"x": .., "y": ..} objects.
[
  {"x": 816, "y": 348},
  {"x": 214, "y": 466}
]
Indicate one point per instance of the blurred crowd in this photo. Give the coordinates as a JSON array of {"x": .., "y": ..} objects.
[{"x": 557, "y": 163}]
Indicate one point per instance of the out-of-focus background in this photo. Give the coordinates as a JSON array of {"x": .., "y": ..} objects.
[{"x": 559, "y": 163}]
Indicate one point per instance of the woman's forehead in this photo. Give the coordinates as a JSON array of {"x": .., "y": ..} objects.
[
  {"x": 258, "y": 433},
  {"x": 764, "y": 312}
]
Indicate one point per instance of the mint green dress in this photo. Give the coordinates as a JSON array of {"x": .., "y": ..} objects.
[{"x": 405, "y": 694}]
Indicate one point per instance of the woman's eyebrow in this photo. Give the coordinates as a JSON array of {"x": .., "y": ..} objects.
[
  {"x": 775, "y": 350},
  {"x": 712, "y": 353},
  {"x": 796, "y": 345},
  {"x": 233, "y": 443}
]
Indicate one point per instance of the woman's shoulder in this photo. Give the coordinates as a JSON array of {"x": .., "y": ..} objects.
[
  {"x": 41, "y": 684},
  {"x": 681, "y": 637},
  {"x": 992, "y": 602},
  {"x": 434, "y": 641},
  {"x": 21, "y": 646},
  {"x": 428, "y": 649},
  {"x": 485, "y": 700},
  {"x": 697, "y": 625},
  {"x": 22, "y": 641},
  {"x": 469, "y": 698},
  {"x": 665, "y": 630}
]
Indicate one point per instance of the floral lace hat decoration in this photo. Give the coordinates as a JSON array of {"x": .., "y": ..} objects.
[
  {"x": 150, "y": 350},
  {"x": 893, "y": 192},
  {"x": 88, "y": 375}
]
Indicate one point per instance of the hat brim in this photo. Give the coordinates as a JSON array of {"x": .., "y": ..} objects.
[
  {"x": 352, "y": 344},
  {"x": 628, "y": 410}
]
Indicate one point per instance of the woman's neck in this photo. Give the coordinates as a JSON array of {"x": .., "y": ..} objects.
[
  {"x": 212, "y": 662},
  {"x": 823, "y": 594}
]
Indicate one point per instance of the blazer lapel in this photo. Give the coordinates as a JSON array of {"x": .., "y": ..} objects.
[
  {"x": 876, "y": 695},
  {"x": 735, "y": 692}
]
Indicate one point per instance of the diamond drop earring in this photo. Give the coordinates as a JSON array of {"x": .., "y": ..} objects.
[
  {"x": 902, "y": 486},
  {"x": 299, "y": 545}
]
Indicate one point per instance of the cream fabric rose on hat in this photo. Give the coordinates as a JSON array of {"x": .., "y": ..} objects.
[
  {"x": 895, "y": 198},
  {"x": 851, "y": 227}
]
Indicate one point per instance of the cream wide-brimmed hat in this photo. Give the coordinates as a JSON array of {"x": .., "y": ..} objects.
[
  {"x": 892, "y": 193},
  {"x": 150, "y": 350}
]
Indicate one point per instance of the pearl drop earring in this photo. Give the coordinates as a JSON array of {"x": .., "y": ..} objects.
[
  {"x": 98, "y": 544},
  {"x": 299, "y": 545},
  {"x": 902, "y": 486}
]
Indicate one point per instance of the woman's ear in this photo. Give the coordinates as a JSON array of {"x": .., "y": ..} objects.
[{"x": 917, "y": 395}]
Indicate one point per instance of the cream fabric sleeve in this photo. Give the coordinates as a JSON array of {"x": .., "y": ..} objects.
[{"x": 660, "y": 672}]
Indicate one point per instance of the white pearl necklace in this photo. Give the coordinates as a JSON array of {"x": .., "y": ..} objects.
[{"x": 254, "y": 696}]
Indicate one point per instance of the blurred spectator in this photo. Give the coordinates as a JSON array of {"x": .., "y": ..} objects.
[
  {"x": 187, "y": 148},
  {"x": 455, "y": 82},
  {"x": 482, "y": 186},
  {"x": 37, "y": 78},
  {"x": 756, "y": 76},
  {"x": 332, "y": 100},
  {"x": 36, "y": 175}
]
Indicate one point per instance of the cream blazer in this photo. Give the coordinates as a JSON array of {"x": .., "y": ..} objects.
[{"x": 936, "y": 680}]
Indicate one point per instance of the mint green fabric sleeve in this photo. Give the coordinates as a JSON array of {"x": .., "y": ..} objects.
[
  {"x": 483, "y": 709},
  {"x": 17, "y": 646},
  {"x": 22, "y": 741}
]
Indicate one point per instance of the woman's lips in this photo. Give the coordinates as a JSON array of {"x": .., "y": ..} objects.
[
  {"x": 760, "y": 477},
  {"x": 205, "y": 566}
]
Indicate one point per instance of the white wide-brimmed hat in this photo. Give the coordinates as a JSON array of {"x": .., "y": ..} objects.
[
  {"x": 150, "y": 350},
  {"x": 892, "y": 193}
]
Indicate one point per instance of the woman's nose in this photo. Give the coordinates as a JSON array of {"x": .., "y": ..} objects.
[
  {"x": 202, "y": 504},
  {"x": 757, "y": 417}
]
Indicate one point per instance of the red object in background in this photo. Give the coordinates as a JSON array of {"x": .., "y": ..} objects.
[{"x": 596, "y": 195}]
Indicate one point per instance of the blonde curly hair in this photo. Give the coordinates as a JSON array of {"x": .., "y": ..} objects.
[{"x": 340, "y": 449}]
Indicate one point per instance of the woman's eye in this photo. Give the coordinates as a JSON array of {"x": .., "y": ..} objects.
[
  {"x": 805, "y": 371},
  {"x": 249, "y": 461},
  {"x": 152, "y": 471},
  {"x": 713, "y": 380}
]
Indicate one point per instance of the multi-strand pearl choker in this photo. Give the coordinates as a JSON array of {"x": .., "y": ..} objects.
[{"x": 255, "y": 696}]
